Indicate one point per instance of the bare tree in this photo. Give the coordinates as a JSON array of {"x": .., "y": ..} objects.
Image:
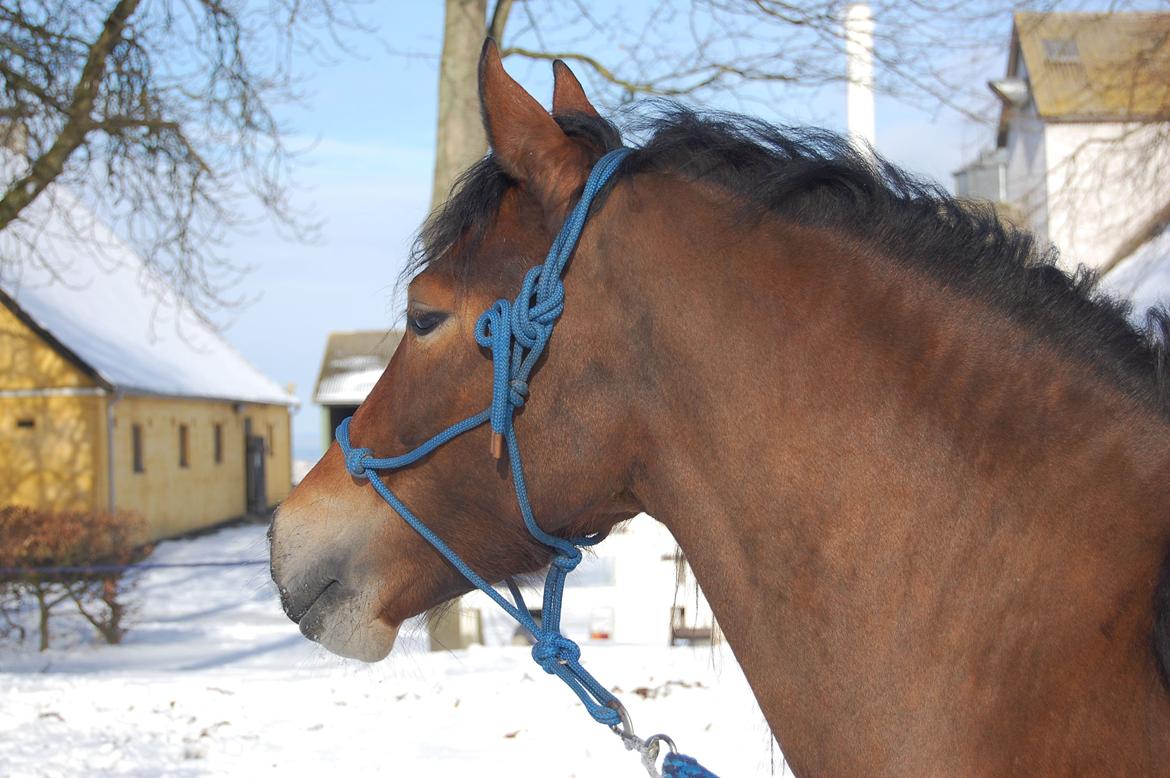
[
  {"x": 698, "y": 50},
  {"x": 161, "y": 115},
  {"x": 936, "y": 54}
]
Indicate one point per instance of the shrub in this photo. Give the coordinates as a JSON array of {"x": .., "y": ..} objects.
[{"x": 65, "y": 557}]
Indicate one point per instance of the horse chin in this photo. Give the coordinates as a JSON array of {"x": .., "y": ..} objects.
[
  {"x": 345, "y": 624},
  {"x": 372, "y": 644}
]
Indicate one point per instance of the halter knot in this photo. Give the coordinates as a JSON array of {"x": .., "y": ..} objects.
[
  {"x": 518, "y": 393},
  {"x": 355, "y": 462},
  {"x": 553, "y": 650},
  {"x": 537, "y": 308},
  {"x": 567, "y": 562}
]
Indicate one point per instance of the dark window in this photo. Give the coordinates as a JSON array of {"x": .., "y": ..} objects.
[
  {"x": 219, "y": 444},
  {"x": 337, "y": 413},
  {"x": 25, "y": 424},
  {"x": 271, "y": 448},
  {"x": 183, "y": 441},
  {"x": 136, "y": 440}
]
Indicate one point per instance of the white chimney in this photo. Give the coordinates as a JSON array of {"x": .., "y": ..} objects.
[{"x": 859, "y": 73}]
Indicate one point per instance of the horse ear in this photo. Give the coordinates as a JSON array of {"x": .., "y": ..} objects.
[
  {"x": 529, "y": 145},
  {"x": 568, "y": 96}
]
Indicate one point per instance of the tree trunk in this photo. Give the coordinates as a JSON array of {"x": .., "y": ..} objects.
[
  {"x": 43, "y": 608},
  {"x": 460, "y": 139},
  {"x": 460, "y": 142}
]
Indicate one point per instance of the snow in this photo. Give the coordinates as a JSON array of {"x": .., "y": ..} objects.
[
  {"x": 352, "y": 384},
  {"x": 212, "y": 679},
  {"x": 95, "y": 295},
  {"x": 1144, "y": 276},
  {"x": 352, "y": 364}
]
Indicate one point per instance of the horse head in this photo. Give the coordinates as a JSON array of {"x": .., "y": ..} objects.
[{"x": 349, "y": 570}]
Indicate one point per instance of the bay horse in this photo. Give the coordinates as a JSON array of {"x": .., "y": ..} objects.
[{"x": 922, "y": 475}]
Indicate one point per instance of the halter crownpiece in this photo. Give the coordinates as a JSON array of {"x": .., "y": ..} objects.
[{"x": 517, "y": 333}]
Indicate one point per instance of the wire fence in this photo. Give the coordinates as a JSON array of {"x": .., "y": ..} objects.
[{"x": 100, "y": 569}]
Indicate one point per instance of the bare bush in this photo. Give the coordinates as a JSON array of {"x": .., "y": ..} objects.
[{"x": 54, "y": 558}]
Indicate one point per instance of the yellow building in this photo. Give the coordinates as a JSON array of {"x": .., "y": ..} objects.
[{"x": 115, "y": 395}]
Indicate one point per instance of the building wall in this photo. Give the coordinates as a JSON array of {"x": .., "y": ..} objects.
[
  {"x": 52, "y": 452},
  {"x": 331, "y": 417},
  {"x": 1026, "y": 183},
  {"x": 52, "y": 447},
  {"x": 1104, "y": 181},
  {"x": 175, "y": 499},
  {"x": 278, "y": 449}
]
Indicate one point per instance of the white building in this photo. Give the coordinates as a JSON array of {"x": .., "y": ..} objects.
[
  {"x": 353, "y": 362},
  {"x": 1083, "y": 142}
]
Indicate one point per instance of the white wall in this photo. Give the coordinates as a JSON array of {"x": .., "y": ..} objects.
[
  {"x": 1026, "y": 164},
  {"x": 1104, "y": 181}
]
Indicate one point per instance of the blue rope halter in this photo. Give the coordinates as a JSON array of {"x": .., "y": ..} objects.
[{"x": 517, "y": 333}]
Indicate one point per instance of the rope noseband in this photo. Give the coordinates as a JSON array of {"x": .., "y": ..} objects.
[{"x": 517, "y": 333}]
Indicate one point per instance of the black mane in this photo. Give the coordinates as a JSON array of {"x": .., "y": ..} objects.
[{"x": 817, "y": 178}]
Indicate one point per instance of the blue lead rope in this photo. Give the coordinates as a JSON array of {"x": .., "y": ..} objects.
[{"x": 517, "y": 334}]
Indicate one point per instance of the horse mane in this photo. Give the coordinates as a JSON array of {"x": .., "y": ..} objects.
[
  {"x": 818, "y": 178},
  {"x": 815, "y": 177}
]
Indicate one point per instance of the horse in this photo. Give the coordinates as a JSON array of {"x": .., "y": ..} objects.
[{"x": 920, "y": 472}]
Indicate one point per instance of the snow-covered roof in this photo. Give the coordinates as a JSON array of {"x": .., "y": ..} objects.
[
  {"x": 352, "y": 364},
  {"x": 94, "y": 297},
  {"x": 1143, "y": 276}
]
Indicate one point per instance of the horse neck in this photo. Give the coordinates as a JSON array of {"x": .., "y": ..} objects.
[{"x": 912, "y": 518}]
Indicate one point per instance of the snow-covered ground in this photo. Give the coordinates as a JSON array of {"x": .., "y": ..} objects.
[{"x": 213, "y": 680}]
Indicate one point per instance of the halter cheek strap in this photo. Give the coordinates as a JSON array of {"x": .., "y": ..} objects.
[{"x": 517, "y": 333}]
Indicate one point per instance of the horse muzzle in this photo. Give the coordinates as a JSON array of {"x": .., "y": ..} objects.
[{"x": 327, "y": 574}]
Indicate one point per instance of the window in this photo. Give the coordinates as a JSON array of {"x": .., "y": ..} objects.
[
  {"x": 25, "y": 424},
  {"x": 1061, "y": 50},
  {"x": 136, "y": 441},
  {"x": 219, "y": 444},
  {"x": 271, "y": 448},
  {"x": 183, "y": 441}
]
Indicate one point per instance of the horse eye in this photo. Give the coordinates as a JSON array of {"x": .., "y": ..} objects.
[{"x": 423, "y": 322}]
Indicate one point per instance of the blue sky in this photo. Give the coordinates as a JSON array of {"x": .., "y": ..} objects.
[{"x": 368, "y": 124}]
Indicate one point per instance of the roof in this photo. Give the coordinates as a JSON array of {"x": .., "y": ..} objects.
[
  {"x": 1094, "y": 67},
  {"x": 353, "y": 363},
  {"x": 105, "y": 310}
]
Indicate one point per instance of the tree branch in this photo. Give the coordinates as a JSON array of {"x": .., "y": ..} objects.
[
  {"x": 50, "y": 164},
  {"x": 633, "y": 87},
  {"x": 499, "y": 21}
]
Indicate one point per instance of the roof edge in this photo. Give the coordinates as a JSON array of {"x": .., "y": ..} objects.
[
  {"x": 132, "y": 391},
  {"x": 1014, "y": 55},
  {"x": 64, "y": 351},
  {"x": 1145, "y": 232}
]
